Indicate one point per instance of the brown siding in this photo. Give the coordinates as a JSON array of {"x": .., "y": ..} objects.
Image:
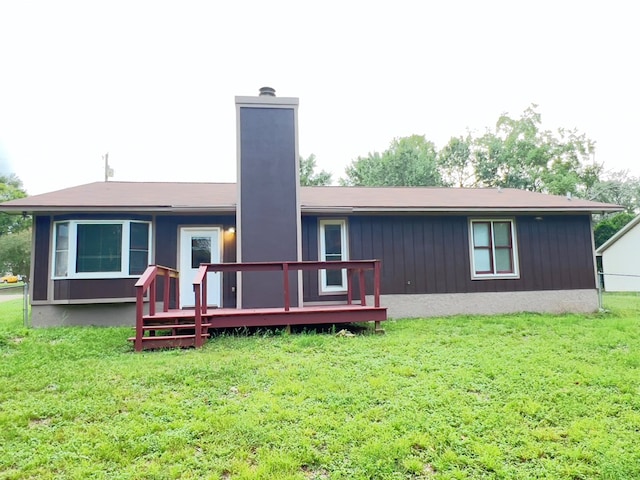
[
  {"x": 430, "y": 254},
  {"x": 94, "y": 288},
  {"x": 42, "y": 225},
  {"x": 166, "y": 245}
]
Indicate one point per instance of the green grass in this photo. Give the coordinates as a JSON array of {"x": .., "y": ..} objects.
[{"x": 524, "y": 396}]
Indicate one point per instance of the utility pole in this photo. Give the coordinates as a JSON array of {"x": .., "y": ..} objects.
[{"x": 108, "y": 171}]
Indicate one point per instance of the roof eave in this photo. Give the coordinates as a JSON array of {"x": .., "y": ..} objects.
[
  {"x": 11, "y": 209},
  {"x": 511, "y": 210}
]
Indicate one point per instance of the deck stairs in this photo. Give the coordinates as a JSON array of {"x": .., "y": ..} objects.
[{"x": 171, "y": 329}]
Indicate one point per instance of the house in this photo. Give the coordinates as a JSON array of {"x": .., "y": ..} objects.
[
  {"x": 443, "y": 251},
  {"x": 620, "y": 259}
]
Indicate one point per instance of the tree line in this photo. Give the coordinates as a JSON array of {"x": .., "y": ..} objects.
[
  {"x": 516, "y": 153},
  {"x": 15, "y": 230}
]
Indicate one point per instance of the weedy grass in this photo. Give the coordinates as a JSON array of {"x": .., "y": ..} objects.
[{"x": 519, "y": 396}]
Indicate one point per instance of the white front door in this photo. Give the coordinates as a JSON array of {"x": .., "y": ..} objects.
[{"x": 199, "y": 245}]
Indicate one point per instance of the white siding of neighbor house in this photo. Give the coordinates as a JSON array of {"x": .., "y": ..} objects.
[{"x": 621, "y": 261}]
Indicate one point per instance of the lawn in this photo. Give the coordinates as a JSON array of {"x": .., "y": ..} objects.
[{"x": 524, "y": 396}]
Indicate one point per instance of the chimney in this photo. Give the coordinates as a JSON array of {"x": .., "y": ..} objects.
[{"x": 268, "y": 210}]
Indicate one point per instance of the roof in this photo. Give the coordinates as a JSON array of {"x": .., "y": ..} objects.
[
  {"x": 619, "y": 234},
  {"x": 222, "y": 197}
]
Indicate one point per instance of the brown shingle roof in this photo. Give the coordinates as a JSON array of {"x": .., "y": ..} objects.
[{"x": 221, "y": 197}]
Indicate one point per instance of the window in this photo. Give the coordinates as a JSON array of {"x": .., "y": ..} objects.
[
  {"x": 333, "y": 246},
  {"x": 101, "y": 249},
  {"x": 493, "y": 249}
]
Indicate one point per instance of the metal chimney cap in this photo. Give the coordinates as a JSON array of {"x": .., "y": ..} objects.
[{"x": 267, "y": 92}]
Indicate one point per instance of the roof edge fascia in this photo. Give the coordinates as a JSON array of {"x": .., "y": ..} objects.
[
  {"x": 305, "y": 209},
  {"x": 110, "y": 209}
]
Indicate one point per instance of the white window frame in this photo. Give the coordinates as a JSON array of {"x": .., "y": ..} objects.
[
  {"x": 344, "y": 254},
  {"x": 514, "y": 243},
  {"x": 73, "y": 249}
]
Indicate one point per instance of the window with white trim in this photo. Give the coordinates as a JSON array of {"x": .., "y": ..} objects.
[
  {"x": 101, "y": 248},
  {"x": 333, "y": 246},
  {"x": 493, "y": 246}
]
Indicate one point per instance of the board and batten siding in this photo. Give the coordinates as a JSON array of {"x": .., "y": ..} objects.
[
  {"x": 165, "y": 228},
  {"x": 430, "y": 254},
  {"x": 166, "y": 245},
  {"x": 40, "y": 276}
]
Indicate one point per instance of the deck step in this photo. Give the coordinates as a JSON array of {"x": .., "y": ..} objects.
[
  {"x": 169, "y": 341},
  {"x": 171, "y": 315},
  {"x": 172, "y": 326}
]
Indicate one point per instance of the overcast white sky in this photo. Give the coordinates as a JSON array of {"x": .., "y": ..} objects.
[{"x": 153, "y": 83}]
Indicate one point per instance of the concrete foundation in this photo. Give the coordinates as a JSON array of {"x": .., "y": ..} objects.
[
  {"x": 399, "y": 306},
  {"x": 492, "y": 303},
  {"x": 99, "y": 315}
]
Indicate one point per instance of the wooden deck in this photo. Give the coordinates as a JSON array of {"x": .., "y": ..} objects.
[{"x": 172, "y": 328}]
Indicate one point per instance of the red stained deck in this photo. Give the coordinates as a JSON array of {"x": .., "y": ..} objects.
[{"x": 178, "y": 327}]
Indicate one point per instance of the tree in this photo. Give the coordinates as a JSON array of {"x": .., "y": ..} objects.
[
  {"x": 619, "y": 188},
  {"x": 308, "y": 175},
  {"x": 15, "y": 252},
  {"x": 11, "y": 189},
  {"x": 607, "y": 228},
  {"x": 454, "y": 162},
  {"x": 518, "y": 154},
  {"x": 409, "y": 161}
]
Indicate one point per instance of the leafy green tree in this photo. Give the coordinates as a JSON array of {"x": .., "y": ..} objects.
[
  {"x": 15, "y": 252},
  {"x": 608, "y": 227},
  {"x": 409, "y": 161},
  {"x": 518, "y": 154},
  {"x": 618, "y": 188},
  {"x": 11, "y": 189},
  {"x": 454, "y": 162},
  {"x": 308, "y": 175}
]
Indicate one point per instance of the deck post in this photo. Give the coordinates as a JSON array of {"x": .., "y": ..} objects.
[
  {"x": 363, "y": 291},
  {"x": 349, "y": 286},
  {"x": 152, "y": 297},
  {"x": 203, "y": 291},
  {"x": 139, "y": 315},
  {"x": 176, "y": 283},
  {"x": 376, "y": 283},
  {"x": 166, "y": 293},
  {"x": 287, "y": 300},
  {"x": 198, "y": 319}
]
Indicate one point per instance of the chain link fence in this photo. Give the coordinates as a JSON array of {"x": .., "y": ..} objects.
[
  {"x": 13, "y": 292},
  {"x": 601, "y": 284}
]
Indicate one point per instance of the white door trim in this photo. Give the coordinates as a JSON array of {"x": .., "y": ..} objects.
[{"x": 214, "y": 290}]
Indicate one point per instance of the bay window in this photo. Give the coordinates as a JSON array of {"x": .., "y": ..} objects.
[{"x": 101, "y": 249}]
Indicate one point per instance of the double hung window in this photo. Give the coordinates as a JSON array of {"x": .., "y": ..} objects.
[{"x": 493, "y": 248}]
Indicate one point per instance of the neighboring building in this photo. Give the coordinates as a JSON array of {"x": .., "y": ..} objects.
[
  {"x": 621, "y": 259},
  {"x": 443, "y": 251}
]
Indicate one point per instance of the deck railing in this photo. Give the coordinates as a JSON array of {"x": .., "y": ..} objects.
[
  {"x": 353, "y": 267},
  {"x": 146, "y": 288},
  {"x": 147, "y": 283}
]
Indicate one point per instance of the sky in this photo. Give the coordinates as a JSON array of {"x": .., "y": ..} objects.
[{"x": 153, "y": 83}]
